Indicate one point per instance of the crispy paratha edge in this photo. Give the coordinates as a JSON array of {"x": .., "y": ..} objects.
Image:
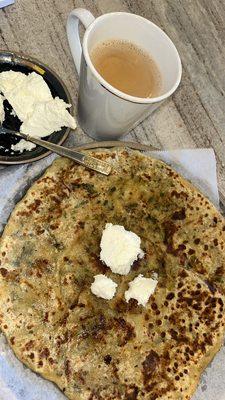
[{"x": 107, "y": 152}]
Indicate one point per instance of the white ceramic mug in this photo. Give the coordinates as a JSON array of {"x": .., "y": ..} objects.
[{"x": 104, "y": 112}]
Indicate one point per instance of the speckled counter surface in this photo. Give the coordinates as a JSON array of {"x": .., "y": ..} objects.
[{"x": 193, "y": 117}]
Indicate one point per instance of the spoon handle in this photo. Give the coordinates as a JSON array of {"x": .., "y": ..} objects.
[{"x": 84, "y": 159}]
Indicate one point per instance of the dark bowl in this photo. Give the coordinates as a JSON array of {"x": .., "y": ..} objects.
[{"x": 19, "y": 62}]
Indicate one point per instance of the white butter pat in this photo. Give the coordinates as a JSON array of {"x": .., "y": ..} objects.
[
  {"x": 119, "y": 248},
  {"x": 10, "y": 80},
  {"x": 48, "y": 117},
  {"x": 103, "y": 287},
  {"x": 141, "y": 289},
  {"x": 23, "y": 92},
  {"x": 2, "y": 112},
  {"x": 23, "y": 145},
  {"x": 32, "y": 102}
]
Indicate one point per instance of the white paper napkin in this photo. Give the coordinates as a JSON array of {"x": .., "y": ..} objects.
[
  {"x": 18, "y": 382},
  {"x": 196, "y": 165}
]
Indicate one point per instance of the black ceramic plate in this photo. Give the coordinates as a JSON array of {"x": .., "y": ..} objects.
[{"x": 18, "y": 62}]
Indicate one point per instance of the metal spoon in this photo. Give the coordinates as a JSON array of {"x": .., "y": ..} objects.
[
  {"x": 84, "y": 159},
  {"x": 88, "y": 161}
]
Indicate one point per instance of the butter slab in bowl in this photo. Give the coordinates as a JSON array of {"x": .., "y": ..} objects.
[{"x": 25, "y": 64}]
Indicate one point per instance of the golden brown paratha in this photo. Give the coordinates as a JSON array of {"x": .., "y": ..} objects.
[{"x": 97, "y": 349}]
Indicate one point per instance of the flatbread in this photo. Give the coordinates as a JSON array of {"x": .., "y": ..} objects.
[{"x": 98, "y": 349}]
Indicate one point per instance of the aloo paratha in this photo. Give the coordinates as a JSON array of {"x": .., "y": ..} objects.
[{"x": 97, "y": 349}]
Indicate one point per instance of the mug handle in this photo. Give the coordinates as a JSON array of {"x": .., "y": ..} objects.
[{"x": 86, "y": 18}]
